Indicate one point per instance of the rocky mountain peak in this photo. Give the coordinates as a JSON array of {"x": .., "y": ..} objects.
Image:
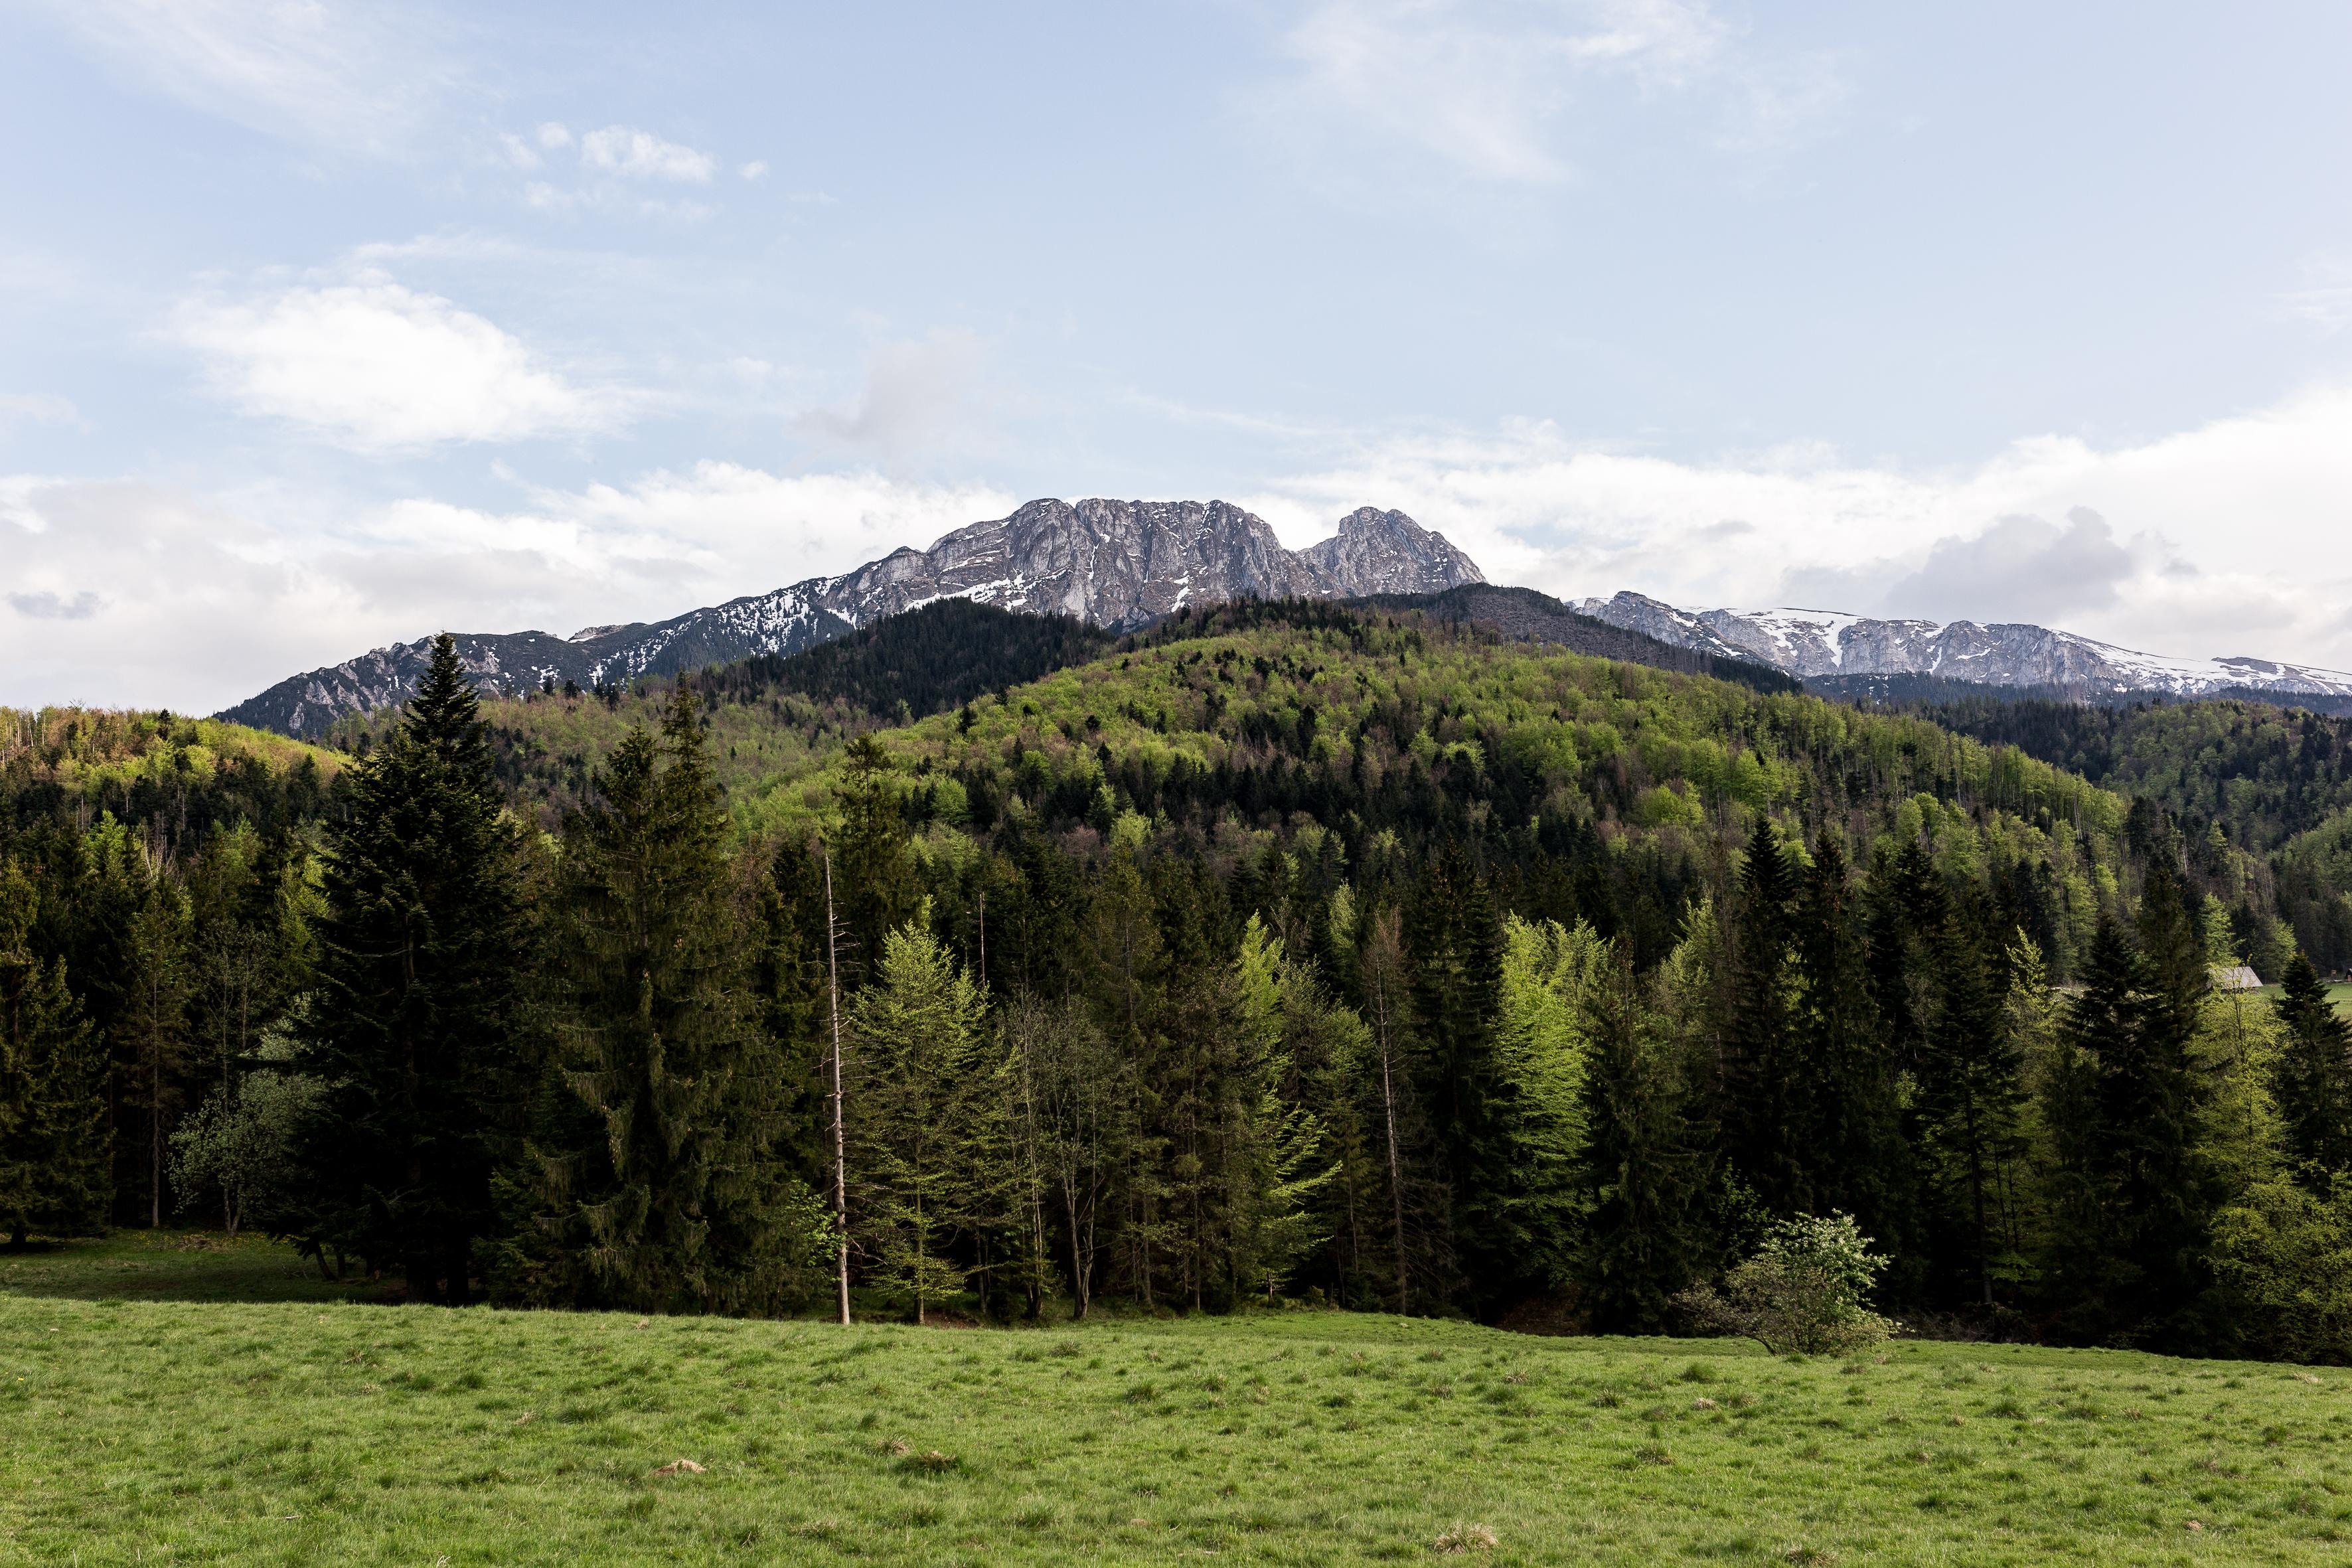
[
  {"x": 1378, "y": 552},
  {"x": 1121, "y": 564}
]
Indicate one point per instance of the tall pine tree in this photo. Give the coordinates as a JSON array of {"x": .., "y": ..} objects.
[
  {"x": 2314, "y": 1075},
  {"x": 682, "y": 1200},
  {"x": 1639, "y": 1243},
  {"x": 53, "y": 1161},
  {"x": 1766, "y": 1110},
  {"x": 416, "y": 1029}
]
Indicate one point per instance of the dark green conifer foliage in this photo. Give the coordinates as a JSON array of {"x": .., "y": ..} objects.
[
  {"x": 874, "y": 880},
  {"x": 1452, "y": 940},
  {"x": 2134, "y": 1203},
  {"x": 2314, "y": 1086},
  {"x": 416, "y": 1029},
  {"x": 682, "y": 1201},
  {"x": 1970, "y": 1094},
  {"x": 1767, "y": 1114},
  {"x": 152, "y": 1027},
  {"x": 2155, "y": 1100},
  {"x": 1642, "y": 1173},
  {"x": 53, "y": 1146},
  {"x": 1855, "y": 1154}
]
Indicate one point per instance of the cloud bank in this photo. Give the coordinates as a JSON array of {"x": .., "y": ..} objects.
[
  {"x": 130, "y": 593},
  {"x": 2225, "y": 539}
]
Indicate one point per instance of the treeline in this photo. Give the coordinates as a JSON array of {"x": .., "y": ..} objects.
[{"x": 1170, "y": 1064}]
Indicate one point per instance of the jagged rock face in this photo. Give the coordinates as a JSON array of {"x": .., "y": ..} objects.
[
  {"x": 1820, "y": 644},
  {"x": 1380, "y": 552},
  {"x": 1118, "y": 563}
]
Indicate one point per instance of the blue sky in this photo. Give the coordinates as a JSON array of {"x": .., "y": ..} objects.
[{"x": 323, "y": 325}]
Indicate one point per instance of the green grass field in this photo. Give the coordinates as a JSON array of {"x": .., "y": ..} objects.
[
  {"x": 169, "y": 1403},
  {"x": 2340, "y": 993}
]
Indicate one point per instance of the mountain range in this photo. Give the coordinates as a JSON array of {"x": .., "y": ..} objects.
[
  {"x": 1120, "y": 564},
  {"x": 1840, "y": 654},
  {"x": 1123, "y": 564}
]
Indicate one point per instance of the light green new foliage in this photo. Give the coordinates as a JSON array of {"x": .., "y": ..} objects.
[
  {"x": 148, "y": 1417},
  {"x": 1540, "y": 1041},
  {"x": 1290, "y": 1163},
  {"x": 919, "y": 1100},
  {"x": 1806, "y": 1290},
  {"x": 234, "y": 1153}
]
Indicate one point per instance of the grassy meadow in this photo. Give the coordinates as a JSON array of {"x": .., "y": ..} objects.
[{"x": 169, "y": 1400}]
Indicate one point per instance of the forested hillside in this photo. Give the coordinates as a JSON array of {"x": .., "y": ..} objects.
[
  {"x": 1288, "y": 950},
  {"x": 2275, "y": 781}
]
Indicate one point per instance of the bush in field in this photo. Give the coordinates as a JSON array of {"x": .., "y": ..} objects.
[
  {"x": 238, "y": 1148},
  {"x": 1802, "y": 1293}
]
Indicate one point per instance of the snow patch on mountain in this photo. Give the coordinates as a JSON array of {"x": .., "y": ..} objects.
[{"x": 1819, "y": 643}]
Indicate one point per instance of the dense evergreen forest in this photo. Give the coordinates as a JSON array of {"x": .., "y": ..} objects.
[{"x": 1287, "y": 952}]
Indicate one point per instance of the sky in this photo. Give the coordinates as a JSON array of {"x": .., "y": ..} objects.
[{"x": 326, "y": 325}]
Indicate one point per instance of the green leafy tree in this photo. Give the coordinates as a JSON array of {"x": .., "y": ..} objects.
[
  {"x": 418, "y": 1028},
  {"x": 240, "y": 1146},
  {"x": 1806, "y": 1290}
]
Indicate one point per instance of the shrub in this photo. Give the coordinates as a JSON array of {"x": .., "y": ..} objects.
[{"x": 1802, "y": 1293}]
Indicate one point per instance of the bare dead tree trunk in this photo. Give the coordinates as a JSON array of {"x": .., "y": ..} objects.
[{"x": 840, "y": 1144}]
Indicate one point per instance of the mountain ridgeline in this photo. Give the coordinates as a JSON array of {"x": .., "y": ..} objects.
[
  {"x": 1111, "y": 564},
  {"x": 1848, "y": 655}
]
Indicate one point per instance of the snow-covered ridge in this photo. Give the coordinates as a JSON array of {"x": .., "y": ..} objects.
[{"x": 1822, "y": 644}]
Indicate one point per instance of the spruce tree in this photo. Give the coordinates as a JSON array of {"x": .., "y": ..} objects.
[
  {"x": 919, "y": 1094},
  {"x": 2313, "y": 1075},
  {"x": 1767, "y": 1115},
  {"x": 1855, "y": 1154},
  {"x": 682, "y": 1200},
  {"x": 153, "y": 1024},
  {"x": 2154, "y": 1106},
  {"x": 1970, "y": 1094},
  {"x": 873, "y": 873},
  {"x": 416, "y": 1029},
  {"x": 53, "y": 1143},
  {"x": 1454, "y": 945},
  {"x": 1641, "y": 1174}
]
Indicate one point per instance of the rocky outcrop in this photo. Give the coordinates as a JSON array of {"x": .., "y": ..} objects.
[{"x": 1117, "y": 564}]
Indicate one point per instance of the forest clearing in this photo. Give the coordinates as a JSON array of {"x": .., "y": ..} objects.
[{"x": 150, "y": 1416}]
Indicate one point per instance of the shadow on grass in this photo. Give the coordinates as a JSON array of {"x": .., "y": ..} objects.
[{"x": 176, "y": 1266}]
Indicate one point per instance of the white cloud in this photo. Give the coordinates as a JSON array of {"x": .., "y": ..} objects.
[
  {"x": 376, "y": 366},
  {"x": 554, "y": 135},
  {"x": 916, "y": 394},
  {"x": 634, "y": 154},
  {"x": 351, "y": 78},
  {"x": 756, "y": 169},
  {"x": 1486, "y": 87},
  {"x": 2225, "y": 539},
  {"x": 136, "y": 594}
]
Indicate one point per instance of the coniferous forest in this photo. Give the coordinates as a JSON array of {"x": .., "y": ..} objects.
[{"x": 1299, "y": 952}]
